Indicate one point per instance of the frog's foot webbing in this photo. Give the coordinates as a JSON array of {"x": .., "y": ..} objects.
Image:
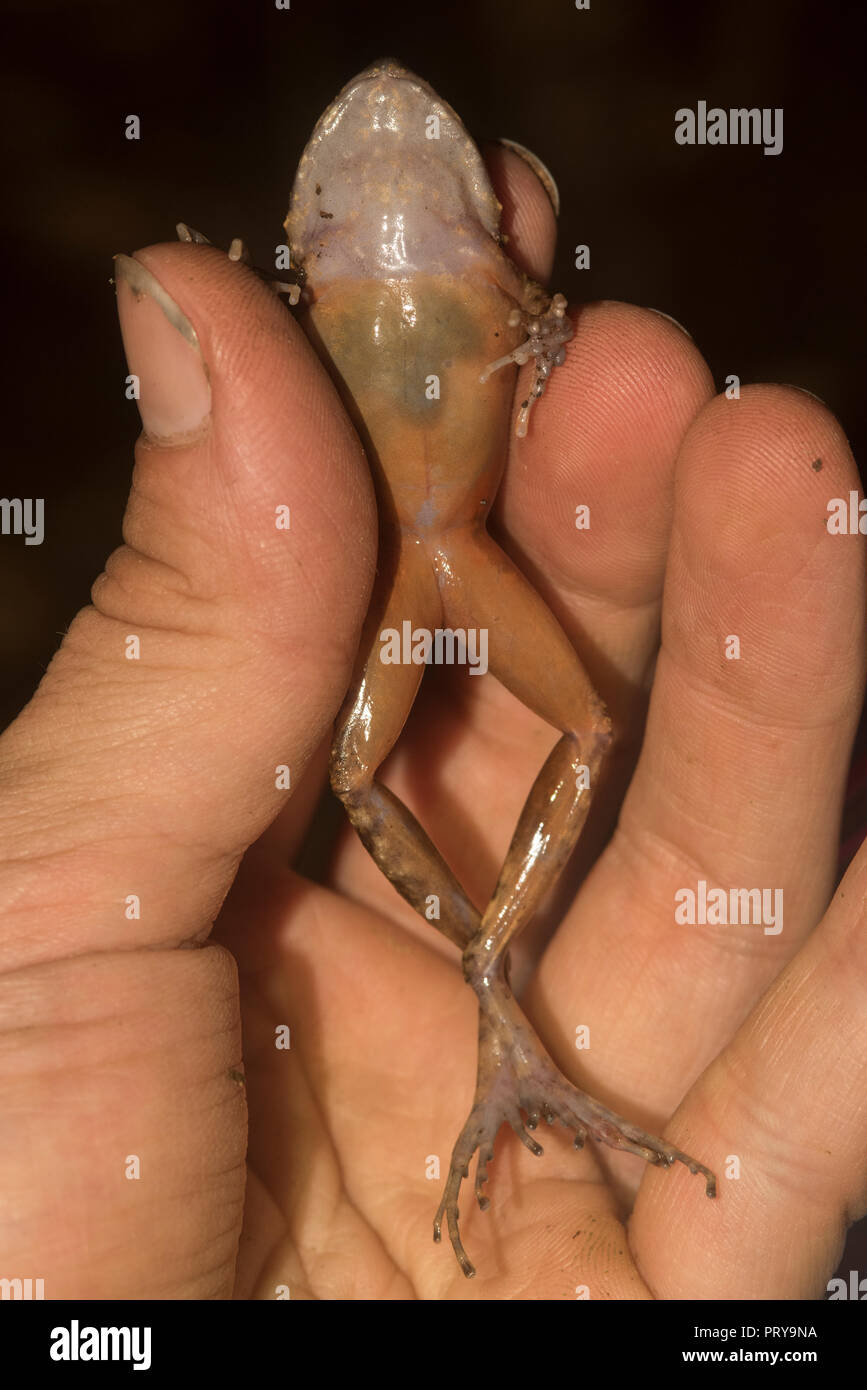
[
  {"x": 547, "y": 327},
  {"x": 238, "y": 252},
  {"x": 516, "y": 1074}
]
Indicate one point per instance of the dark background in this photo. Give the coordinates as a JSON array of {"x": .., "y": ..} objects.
[{"x": 759, "y": 257}]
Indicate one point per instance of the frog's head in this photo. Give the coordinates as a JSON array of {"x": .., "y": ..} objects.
[{"x": 389, "y": 171}]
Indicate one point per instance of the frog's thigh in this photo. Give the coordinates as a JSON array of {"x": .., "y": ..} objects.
[
  {"x": 373, "y": 715},
  {"x": 383, "y": 691},
  {"x": 528, "y": 651}
]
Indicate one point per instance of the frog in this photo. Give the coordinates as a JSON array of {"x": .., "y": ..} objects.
[{"x": 403, "y": 283}]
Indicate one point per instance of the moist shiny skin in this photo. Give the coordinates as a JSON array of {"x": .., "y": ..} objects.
[{"x": 405, "y": 281}]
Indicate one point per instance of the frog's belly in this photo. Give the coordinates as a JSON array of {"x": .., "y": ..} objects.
[{"x": 407, "y": 356}]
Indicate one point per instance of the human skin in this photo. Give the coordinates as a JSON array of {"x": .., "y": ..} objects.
[{"x": 152, "y": 777}]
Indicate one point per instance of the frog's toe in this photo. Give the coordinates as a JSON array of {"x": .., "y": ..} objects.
[
  {"x": 517, "y": 1078},
  {"x": 477, "y": 1135},
  {"x": 587, "y": 1116}
]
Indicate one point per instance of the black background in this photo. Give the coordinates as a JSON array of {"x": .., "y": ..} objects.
[{"x": 759, "y": 257}]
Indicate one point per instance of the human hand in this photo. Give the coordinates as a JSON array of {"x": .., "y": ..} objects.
[
  {"x": 152, "y": 776},
  {"x": 740, "y": 784},
  {"x": 134, "y": 781}
]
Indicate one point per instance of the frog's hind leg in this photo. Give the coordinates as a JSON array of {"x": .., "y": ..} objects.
[
  {"x": 531, "y": 655},
  {"x": 373, "y": 715}
]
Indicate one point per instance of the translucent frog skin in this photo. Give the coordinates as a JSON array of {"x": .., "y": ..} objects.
[{"x": 394, "y": 228}]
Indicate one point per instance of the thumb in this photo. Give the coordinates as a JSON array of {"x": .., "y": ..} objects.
[{"x": 222, "y": 633}]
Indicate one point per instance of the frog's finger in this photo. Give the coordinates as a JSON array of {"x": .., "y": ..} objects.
[{"x": 726, "y": 849}]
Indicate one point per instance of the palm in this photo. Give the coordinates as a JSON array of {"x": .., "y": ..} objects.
[{"x": 379, "y": 1078}]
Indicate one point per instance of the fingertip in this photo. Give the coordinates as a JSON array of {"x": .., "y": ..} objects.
[
  {"x": 542, "y": 172},
  {"x": 528, "y": 218},
  {"x": 769, "y": 446},
  {"x": 760, "y": 479}
]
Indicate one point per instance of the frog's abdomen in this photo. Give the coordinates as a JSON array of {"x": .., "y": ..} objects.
[{"x": 407, "y": 355}]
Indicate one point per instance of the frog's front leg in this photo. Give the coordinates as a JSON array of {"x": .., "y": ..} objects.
[
  {"x": 238, "y": 252},
  {"x": 543, "y": 319},
  {"x": 531, "y": 655}
]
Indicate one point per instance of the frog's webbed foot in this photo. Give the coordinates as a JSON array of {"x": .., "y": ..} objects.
[
  {"x": 548, "y": 329},
  {"x": 516, "y": 1074},
  {"x": 238, "y": 252}
]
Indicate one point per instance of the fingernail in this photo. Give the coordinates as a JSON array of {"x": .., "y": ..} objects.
[
  {"x": 671, "y": 320},
  {"x": 804, "y": 392},
  {"x": 542, "y": 172},
  {"x": 163, "y": 351}
]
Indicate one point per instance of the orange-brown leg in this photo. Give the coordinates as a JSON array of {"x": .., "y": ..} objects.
[
  {"x": 373, "y": 715},
  {"x": 531, "y": 655}
]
